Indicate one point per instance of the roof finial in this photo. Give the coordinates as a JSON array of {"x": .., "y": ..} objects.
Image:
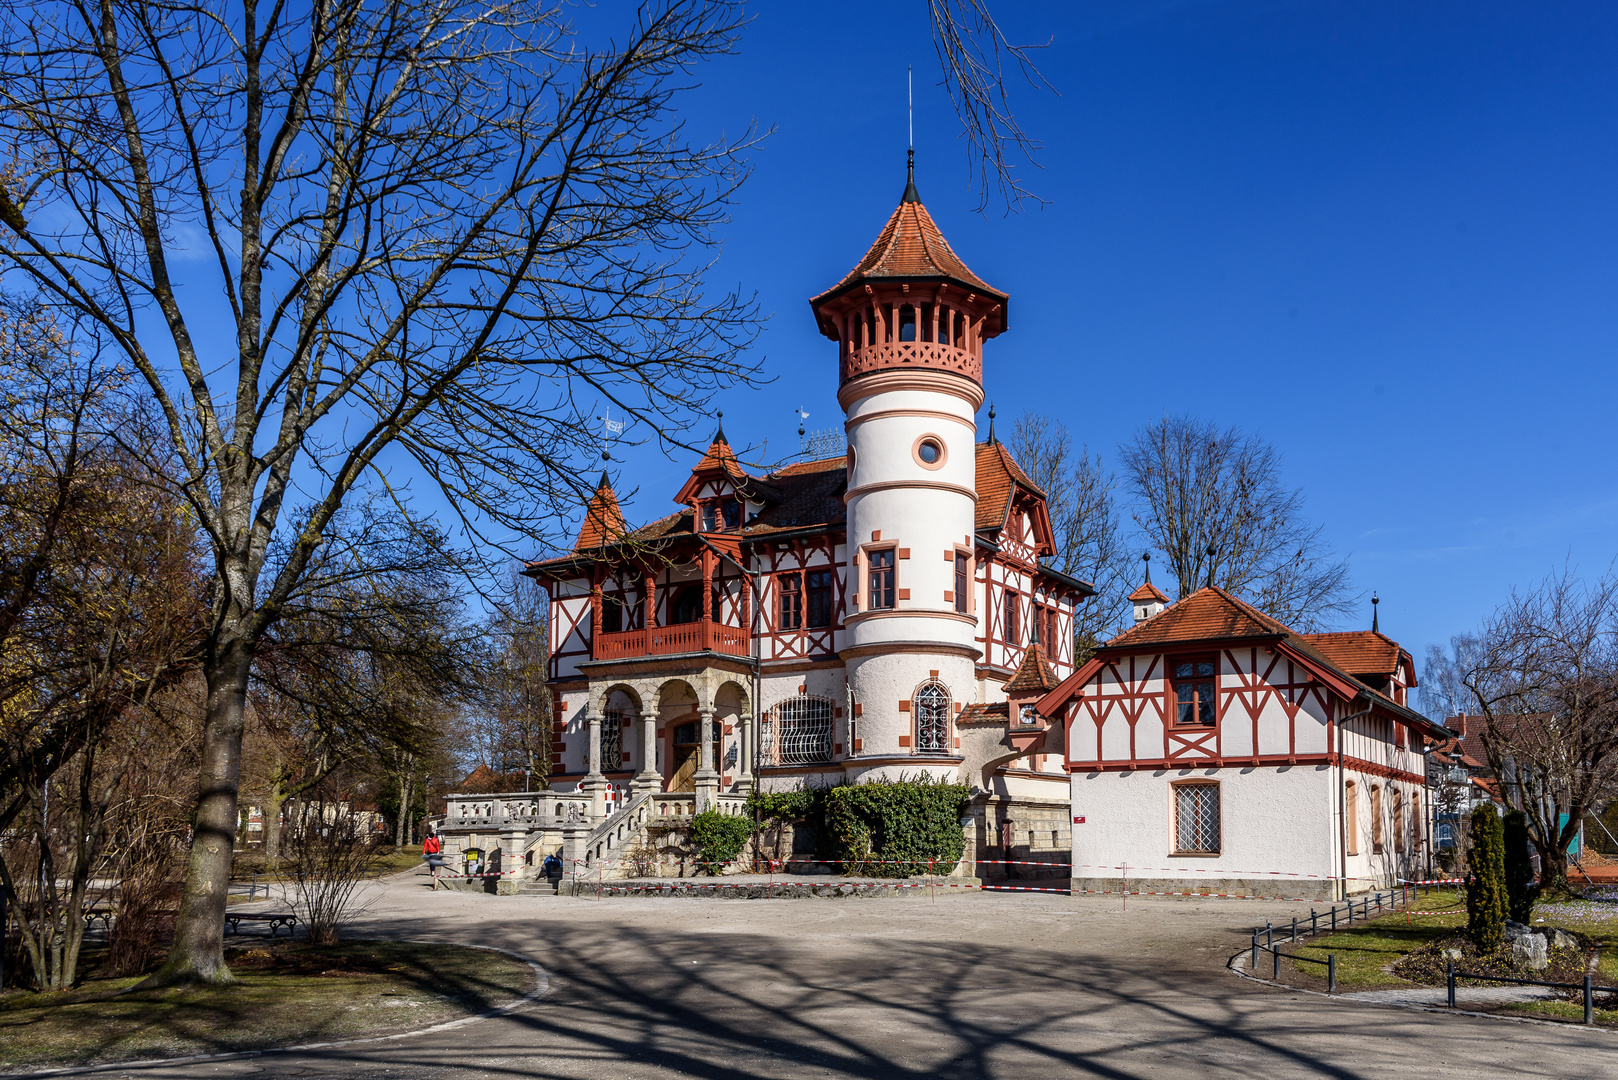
[
  {"x": 1146, "y": 557},
  {"x": 605, "y": 483},
  {"x": 719, "y": 432},
  {"x": 1375, "y": 600},
  {"x": 911, "y": 195},
  {"x": 991, "y": 424},
  {"x": 1211, "y": 551}
]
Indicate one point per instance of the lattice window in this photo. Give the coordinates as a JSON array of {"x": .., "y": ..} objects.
[
  {"x": 612, "y": 741},
  {"x": 1196, "y": 818},
  {"x": 798, "y": 731},
  {"x": 931, "y": 706}
]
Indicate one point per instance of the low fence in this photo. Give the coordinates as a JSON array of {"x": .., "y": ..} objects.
[{"x": 1588, "y": 986}]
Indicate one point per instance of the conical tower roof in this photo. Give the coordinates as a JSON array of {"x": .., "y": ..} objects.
[
  {"x": 603, "y": 518},
  {"x": 910, "y": 246}
]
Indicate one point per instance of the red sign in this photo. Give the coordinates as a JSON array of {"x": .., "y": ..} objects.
[{"x": 1078, "y": 821}]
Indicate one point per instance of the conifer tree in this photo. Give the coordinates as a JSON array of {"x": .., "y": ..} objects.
[{"x": 1486, "y": 905}]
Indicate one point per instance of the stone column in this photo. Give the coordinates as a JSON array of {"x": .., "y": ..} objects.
[
  {"x": 744, "y": 753},
  {"x": 648, "y": 779},
  {"x": 706, "y": 778},
  {"x": 594, "y": 785}
]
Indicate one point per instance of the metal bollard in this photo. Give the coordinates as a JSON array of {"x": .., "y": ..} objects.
[
  {"x": 1334, "y": 918},
  {"x": 1269, "y": 935},
  {"x": 1331, "y": 973},
  {"x": 1351, "y": 912},
  {"x": 1314, "y": 923},
  {"x": 1450, "y": 978},
  {"x": 1294, "y": 931},
  {"x": 1589, "y": 1001},
  {"x": 1276, "y": 954},
  {"x": 1253, "y": 965}
]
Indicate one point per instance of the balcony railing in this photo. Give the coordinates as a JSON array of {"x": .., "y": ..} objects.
[{"x": 668, "y": 640}]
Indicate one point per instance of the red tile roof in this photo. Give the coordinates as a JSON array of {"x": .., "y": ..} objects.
[
  {"x": 995, "y": 712},
  {"x": 1364, "y": 652},
  {"x": 998, "y": 476},
  {"x": 1148, "y": 591},
  {"x": 910, "y": 246},
  {"x": 603, "y": 519},
  {"x": 1035, "y": 674}
]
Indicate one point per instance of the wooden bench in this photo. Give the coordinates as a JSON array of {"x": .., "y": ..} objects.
[{"x": 275, "y": 920}]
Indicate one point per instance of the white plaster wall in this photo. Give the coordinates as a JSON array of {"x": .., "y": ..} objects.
[
  {"x": 881, "y": 681},
  {"x": 1272, "y": 820}
]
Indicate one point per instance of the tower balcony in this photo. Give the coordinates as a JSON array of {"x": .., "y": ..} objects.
[
  {"x": 931, "y": 355},
  {"x": 704, "y": 635}
]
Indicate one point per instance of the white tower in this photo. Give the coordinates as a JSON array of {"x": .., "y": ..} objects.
[{"x": 910, "y": 321}]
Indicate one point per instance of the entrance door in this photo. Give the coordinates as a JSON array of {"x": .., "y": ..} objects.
[{"x": 687, "y": 756}]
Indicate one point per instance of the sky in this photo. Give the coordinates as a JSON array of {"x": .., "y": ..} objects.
[{"x": 1380, "y": 236}]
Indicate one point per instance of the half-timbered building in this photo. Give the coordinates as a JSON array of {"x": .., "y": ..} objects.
[
  {"x": 1213, "y": 749},
  {"x": 823, "y": 621}
]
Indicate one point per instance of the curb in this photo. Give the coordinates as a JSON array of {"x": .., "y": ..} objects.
[{"x": 541, "y": 988}]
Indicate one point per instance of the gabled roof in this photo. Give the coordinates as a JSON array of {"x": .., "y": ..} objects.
[
  {"x": 1213, "y": 616},
  {"x": 1146, "y": 592},
  {"x": 1035, "y": 674},
  {"x": 603, "y": 519},
  {"x": 1365, "y": 652},
  {"x": 998, "y": 477},
  {"x": 911, "y": 245}
]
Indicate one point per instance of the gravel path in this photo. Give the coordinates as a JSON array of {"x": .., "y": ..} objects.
[{"x": 963, "y": 984}]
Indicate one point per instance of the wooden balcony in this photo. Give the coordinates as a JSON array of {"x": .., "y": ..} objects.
[{"x": 703, "y": 635}]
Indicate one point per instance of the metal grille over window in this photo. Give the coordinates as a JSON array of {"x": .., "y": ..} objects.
[
  {"x": 612, "y": 741},
  {"x": 1196, "y": 817},
  {"x": 799, "y": 732},
  {"x": 931, "y": 706}
]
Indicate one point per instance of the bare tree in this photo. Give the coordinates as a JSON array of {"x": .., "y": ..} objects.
[
  {"x": 1544, "y": 676},
  {"x": 975, "y": 57},
  {"x": 1079, "y": 494},
  {"x": 1212, "y": 502},
  {"x": 440, "y": 234}
]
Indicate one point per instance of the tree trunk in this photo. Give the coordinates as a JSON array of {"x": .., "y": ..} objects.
[
  {"x": 198, "y": 951},
  {"x": 400, "y": 832},
  {"x": 1552, "y": 869},
  {"x": 274, "y": 800}
]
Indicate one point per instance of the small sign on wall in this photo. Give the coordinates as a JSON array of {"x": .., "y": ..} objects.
[{"x": 1078, "y": 821}]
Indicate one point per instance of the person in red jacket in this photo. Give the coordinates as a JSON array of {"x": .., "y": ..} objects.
[{"x": 431, "y": 850}]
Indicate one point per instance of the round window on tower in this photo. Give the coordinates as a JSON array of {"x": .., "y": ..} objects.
[{"x": 929, "y": 452}]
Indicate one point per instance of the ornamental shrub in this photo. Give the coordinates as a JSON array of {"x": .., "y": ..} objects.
[
  {"x": 718, "y": 838},
  {"x": 1486, "y": 900},
  {"x": 1521, "y": 889},
  {"x": 909, "y": 825}
]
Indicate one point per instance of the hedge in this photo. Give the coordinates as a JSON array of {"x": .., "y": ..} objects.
[
  {"x": 719, "y": 838},
  {"x": 897, "y": 828}
]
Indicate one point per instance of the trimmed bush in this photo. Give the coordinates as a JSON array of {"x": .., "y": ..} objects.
[
  {"x": 909, "y": 825},
  {"x": 1486, "y": 900},
  {"x": 719, "y": 838},
  {"x": 1521, "y": 890}
]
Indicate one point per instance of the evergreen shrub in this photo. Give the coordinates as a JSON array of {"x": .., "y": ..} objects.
[
  {"x": 1486, "y": 899},
  {"x": 1521, "y": 889},
  {"x": 911, "y": 826},
  {"x": 719, "y": 838}
]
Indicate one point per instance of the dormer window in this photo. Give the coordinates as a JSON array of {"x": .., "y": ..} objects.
[
  {"x": 1194, "y": 695},
  {"x": 720, "y": 514}
]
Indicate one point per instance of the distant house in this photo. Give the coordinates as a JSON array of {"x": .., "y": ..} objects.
[
  {"x": 1213, "y": 749},
  {"x": 1462, "y": 777}
]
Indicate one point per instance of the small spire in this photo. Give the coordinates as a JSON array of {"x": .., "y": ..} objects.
[
  {"x": 911, "y": 195},
  {"x": 719, "y": 432},
  {"x": 991, "y": 424},
  {"x": 604, "y": 483},
  {"x": 1146, "y": 557},
  {"x": 1375, "y": 600}
]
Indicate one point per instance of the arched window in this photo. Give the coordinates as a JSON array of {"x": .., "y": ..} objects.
[
  {"x": 1376, "y": 819},
  {"x": 907, "y": 323},
  {"x": 612, "y": 741},
  {"x": 931, "y": 707},
  {"x": 798, "y": 731},
  {"x": 1351, "y": 816}
]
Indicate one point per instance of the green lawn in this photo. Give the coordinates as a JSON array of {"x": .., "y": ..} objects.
[
  {"x": 287, "y": 993},
  {"x": 1366, "y": 948}
]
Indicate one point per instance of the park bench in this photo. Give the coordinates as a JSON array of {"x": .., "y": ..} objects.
[
  {"x": 98, "y": 913},
  {"x": 274, "y": 919}
]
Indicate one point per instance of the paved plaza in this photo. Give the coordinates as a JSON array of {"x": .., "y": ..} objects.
[{"x": 964, "y": 985}]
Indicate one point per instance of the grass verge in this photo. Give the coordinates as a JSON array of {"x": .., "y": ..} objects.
[
  {"x": 1364, "y": 950},
  {"x": 286, "y": 993}
]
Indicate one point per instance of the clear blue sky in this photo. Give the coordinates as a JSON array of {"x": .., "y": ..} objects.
[{"x": 1380, "y": 235}]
